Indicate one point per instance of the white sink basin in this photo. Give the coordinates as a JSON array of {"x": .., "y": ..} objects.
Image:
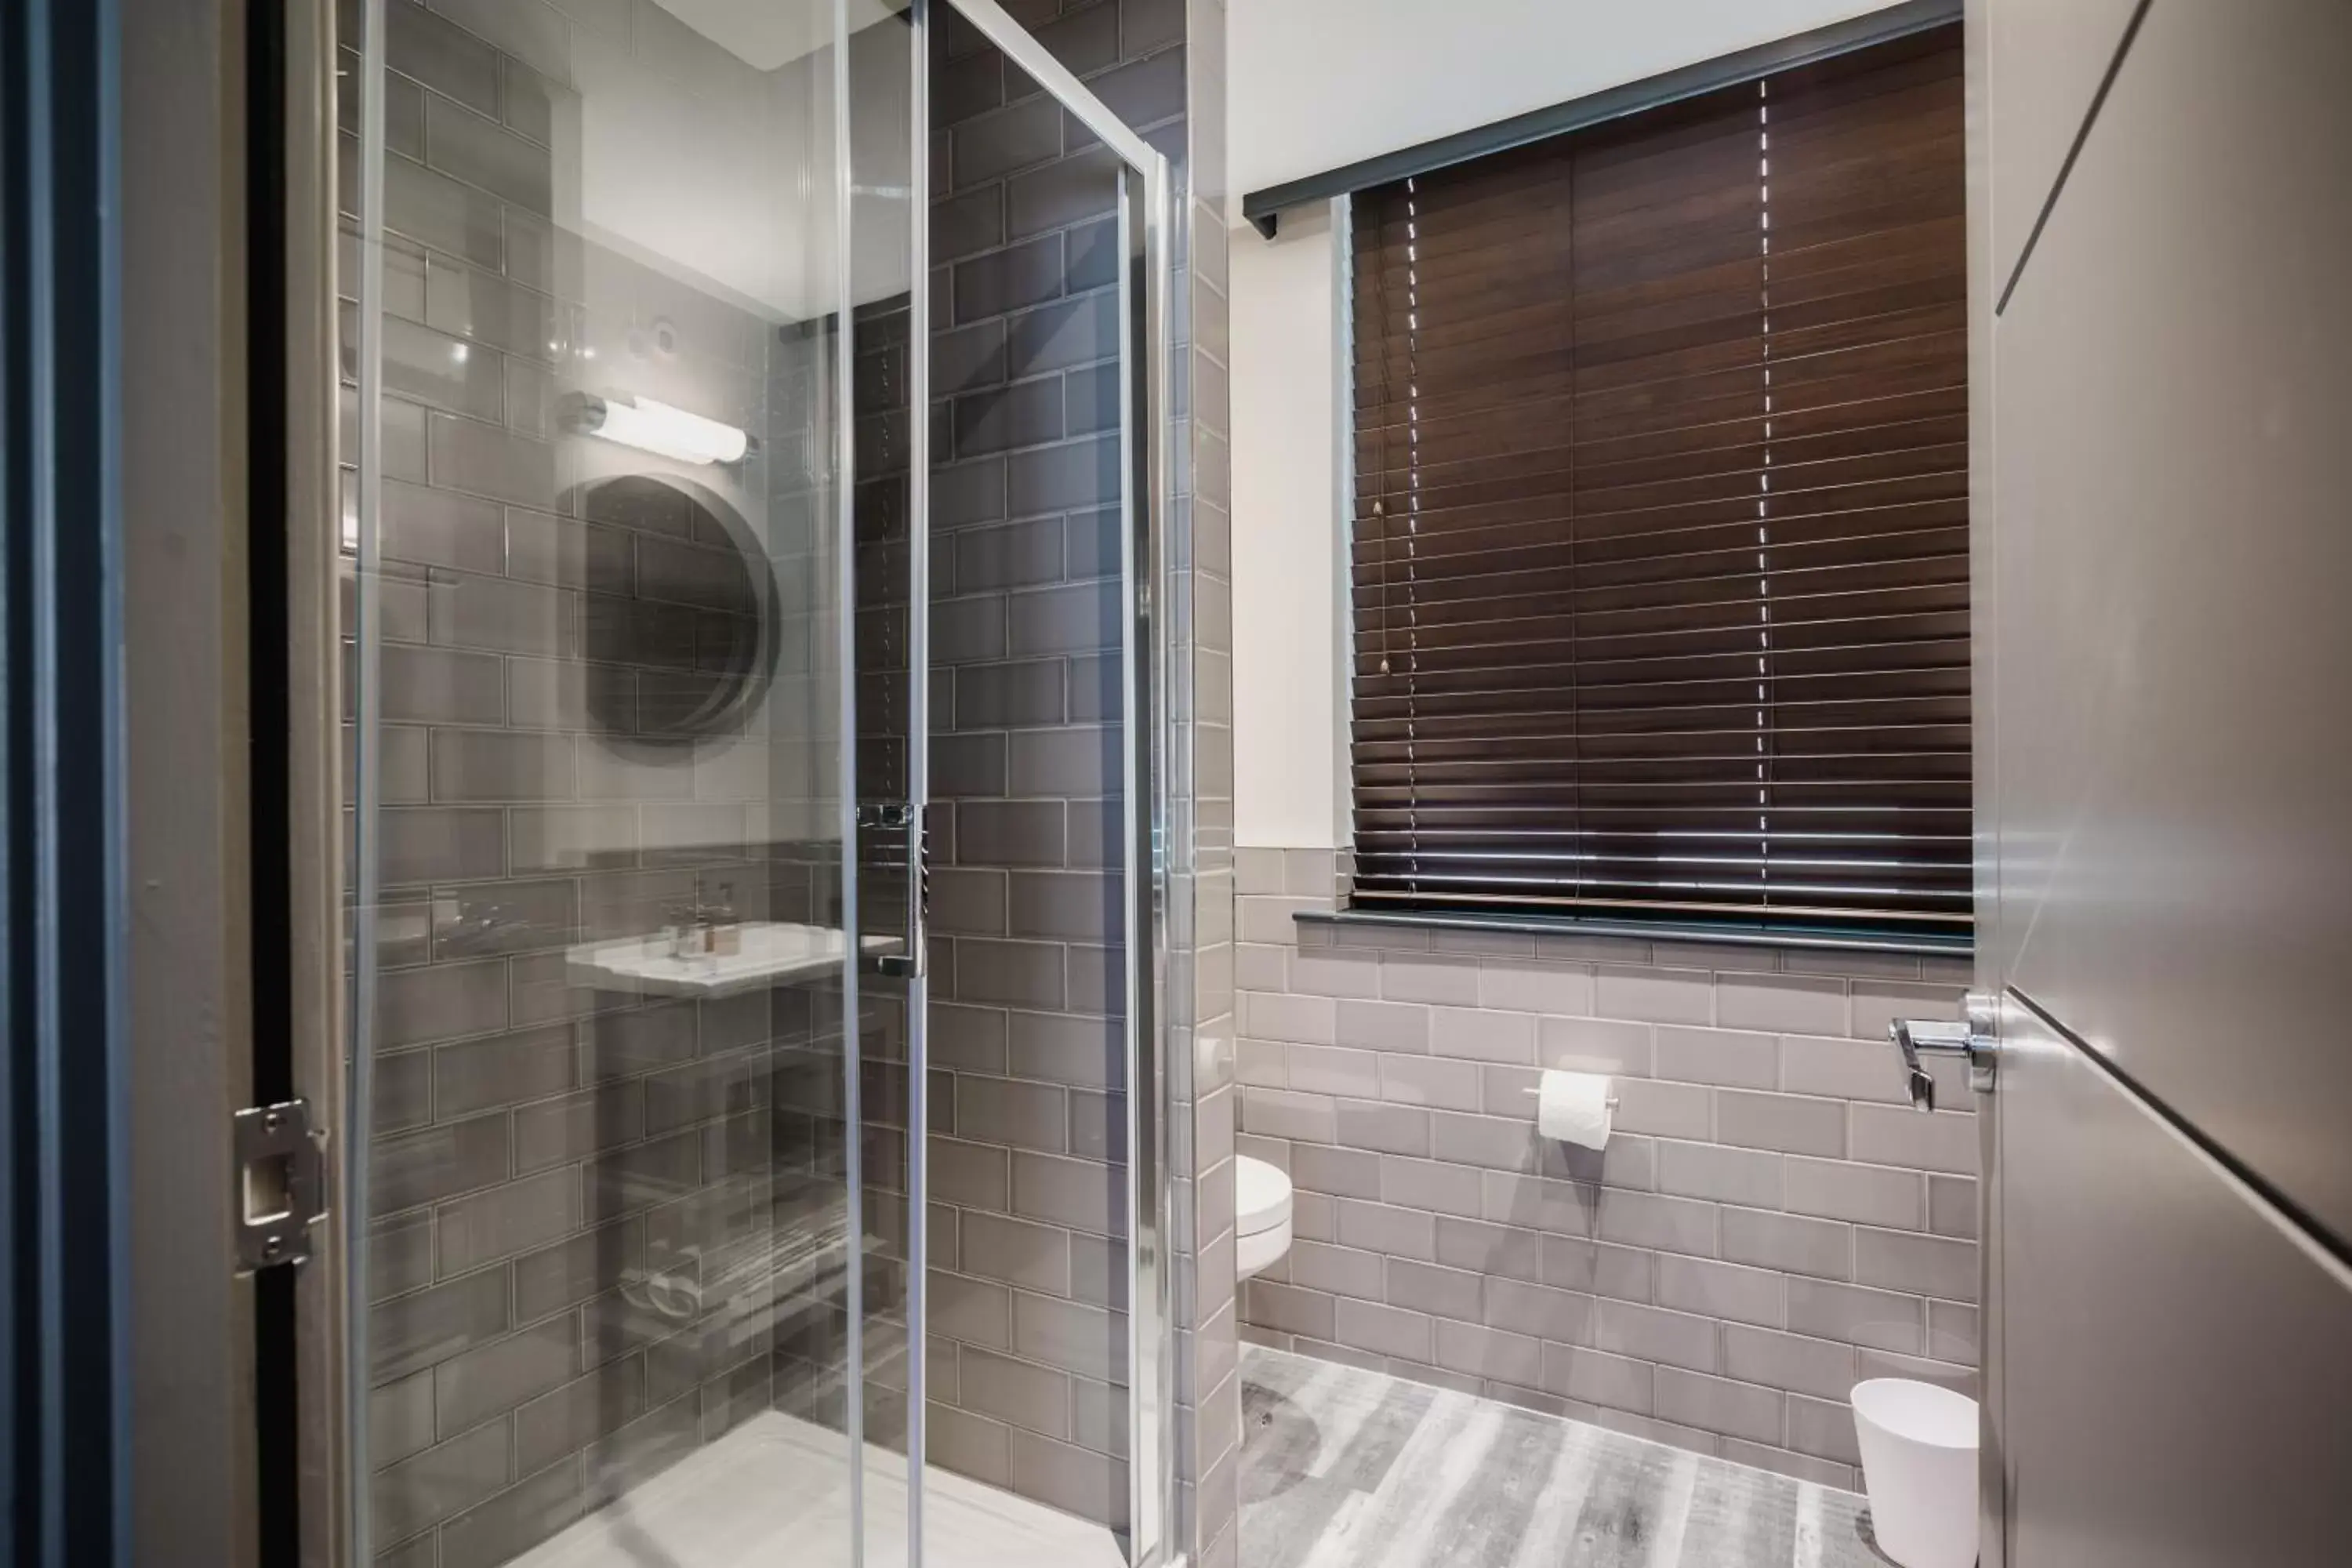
[{"x": 769, "y": 953}]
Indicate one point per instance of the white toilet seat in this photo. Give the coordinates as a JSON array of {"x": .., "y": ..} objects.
[{"x": 1260, "y": 1214}]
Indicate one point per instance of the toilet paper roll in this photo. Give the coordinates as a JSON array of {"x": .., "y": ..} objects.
[{"x": 1575, "y": 1107}]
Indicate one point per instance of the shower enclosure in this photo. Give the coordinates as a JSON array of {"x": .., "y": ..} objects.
[{"x": 752, "y": 515}]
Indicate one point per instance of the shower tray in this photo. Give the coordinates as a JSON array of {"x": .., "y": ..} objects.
[{"x": 776, "y": 1489}]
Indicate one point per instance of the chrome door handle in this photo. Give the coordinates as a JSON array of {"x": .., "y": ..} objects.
[
  {"x": 1973, "y": 1041},
  {"x": 907, "y": 818}
]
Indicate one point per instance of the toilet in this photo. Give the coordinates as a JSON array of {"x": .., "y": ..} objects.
[{"x": 1261, "y": 1217}]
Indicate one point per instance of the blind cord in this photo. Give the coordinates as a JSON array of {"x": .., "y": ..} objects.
[{"x": 1764, "y": 690}]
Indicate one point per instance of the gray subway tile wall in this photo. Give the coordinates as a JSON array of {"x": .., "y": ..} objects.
[
  {"x": 1770, "y": 1223},
  {"x": 1202, "y": 1046},
  {"x": 1029, "y": 1382}
]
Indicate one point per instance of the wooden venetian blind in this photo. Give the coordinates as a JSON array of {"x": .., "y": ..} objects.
[{"x": 1660, "y": 559}]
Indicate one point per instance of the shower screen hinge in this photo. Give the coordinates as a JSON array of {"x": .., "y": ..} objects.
[{"x": 281, "y": 1184}]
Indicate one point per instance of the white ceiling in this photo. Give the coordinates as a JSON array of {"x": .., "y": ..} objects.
[
  {"x": 766, "y": 34},
  {"x": 724, "y": 175}
]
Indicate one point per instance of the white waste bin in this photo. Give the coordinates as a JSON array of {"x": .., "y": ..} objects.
[{"x": 1919, "y": 1466}]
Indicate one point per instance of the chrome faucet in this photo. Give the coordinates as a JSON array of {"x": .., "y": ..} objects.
[{"x": 691, "y": 924}]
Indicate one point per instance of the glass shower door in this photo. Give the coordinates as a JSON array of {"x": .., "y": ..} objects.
[
  {"x": 751, "y": 722},
  {"x": 608, "y": 1255}
]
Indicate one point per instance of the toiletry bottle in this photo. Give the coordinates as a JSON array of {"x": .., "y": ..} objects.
[{"x": 727, "y": 936}]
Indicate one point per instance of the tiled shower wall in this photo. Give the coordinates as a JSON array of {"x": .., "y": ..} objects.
[
  {"x": 1029, "y": 1282},
  {"x": 1028, "y": 1379},
  {"x": 1770, "y": 1222},
  {"x": 1028, "y": 1286}
]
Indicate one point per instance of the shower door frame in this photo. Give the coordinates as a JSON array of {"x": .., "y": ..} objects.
[{"x": 1146, "y": 232}]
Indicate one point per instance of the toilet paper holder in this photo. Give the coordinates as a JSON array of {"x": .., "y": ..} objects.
[{"x": 1610, "y": 1102}]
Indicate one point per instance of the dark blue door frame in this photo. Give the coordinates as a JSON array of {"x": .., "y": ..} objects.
[{"x": 64, "y": 1431}]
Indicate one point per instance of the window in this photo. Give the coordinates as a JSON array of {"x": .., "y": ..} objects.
[{"x": 1659, "y": 547}]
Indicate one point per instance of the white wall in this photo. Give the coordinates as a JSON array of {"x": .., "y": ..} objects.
[
  {"x": 1311, "y": 89},
  {"x": 1286, "y": 576},
  {"x": 1314, "y": 82}
]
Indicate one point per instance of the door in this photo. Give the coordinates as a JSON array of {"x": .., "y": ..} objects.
[
  {"x": 752, "y": 913},
  {"x": 2169, "y": 1320}
]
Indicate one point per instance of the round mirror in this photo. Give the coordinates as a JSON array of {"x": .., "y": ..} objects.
[{"x": 680, "y": 603}]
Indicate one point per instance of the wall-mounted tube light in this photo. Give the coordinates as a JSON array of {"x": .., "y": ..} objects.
[{"x": 656, "y": 427}]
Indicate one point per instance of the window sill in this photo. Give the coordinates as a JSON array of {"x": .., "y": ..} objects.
[{"x": 1647, "y": 931}]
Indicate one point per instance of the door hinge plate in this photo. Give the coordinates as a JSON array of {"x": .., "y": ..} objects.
[
  {"x": 282, "y": 1174},
  {"x": 1916, "y": 1037}
]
